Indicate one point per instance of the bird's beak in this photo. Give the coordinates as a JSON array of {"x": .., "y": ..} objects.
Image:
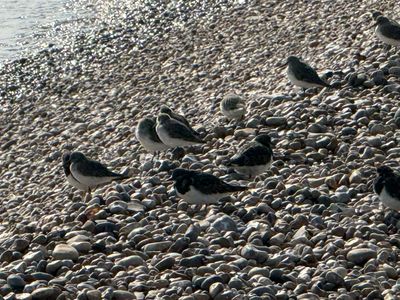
[{"x": 282, "y": 65}]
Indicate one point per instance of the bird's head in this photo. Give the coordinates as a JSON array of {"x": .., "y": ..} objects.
[
  {"x": 179, "y": 173},
  {"x": 77, "y": 157},
  {"x": 376, "y": 14},
  {"x": 382, "y": 20},
  {"x": 384, "y": 170},
  {"x": 146, "y": 123},
  {"x": 165, "y": 110},
  {"x": 292, "y": 59},
  {"x": 263, "y": 139},
  {"x": 163, "y": 118},
  {"x": 66, "y": 158}
]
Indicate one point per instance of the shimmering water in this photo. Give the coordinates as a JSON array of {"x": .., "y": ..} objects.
[{"x": 28, "y": 25}]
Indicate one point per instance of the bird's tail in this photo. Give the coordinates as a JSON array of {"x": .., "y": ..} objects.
[
  {"x": 238, "y": 188},
  {"x": 123, "y": 175}
]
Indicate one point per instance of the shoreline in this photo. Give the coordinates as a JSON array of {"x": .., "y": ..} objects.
[{"x": 310, "y": 228}]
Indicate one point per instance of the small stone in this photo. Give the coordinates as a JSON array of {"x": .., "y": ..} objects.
[
  {"x": 64, "y": 251},
  {"x": 361, "y": 256},
  {"x": 275, "y": 121},
  {"x": 93, "y": 295},
  {"x": 394, "y": 71},
  {"x": 16, "y": 282},
  {"x": 215, "y": 289},
  {"x": 224, "y": 223},
  {"x": 349, "y": 131},
  {"x": 166, "y": 263},
  {"x": 122, "y": 295},
  {"x": 45, "y": 293},
  {"x": 157, "y": 246},
  {"x": 131, "y": 261}
]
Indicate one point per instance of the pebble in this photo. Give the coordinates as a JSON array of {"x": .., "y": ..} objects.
[
  {"x": 64, "y": 251},
  {"x": 131, "y": 261},
  {"x": 16, "y": 282},
  {"x": 224, "y": 223},
  {"x": 310, "y": 227},
  {"x": 360, "y": 256}
]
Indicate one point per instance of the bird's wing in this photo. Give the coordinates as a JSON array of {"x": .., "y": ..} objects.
[
  {"x": 379, "y": 183},
  {"x": 185, "y": 122},
  {"x": 66, "y": 165},
  {"x": 392, "y": 30},
  {"x": 183, "y": 185},
  {"x": 179, "y": 131},
  {"x": 209, "y": 184},
  {"x": 252, "y": 156},
  {"x": 95, "y": 169},
  {"x": 153, "y": 135},
  {"x": 392, "y": 186},
  {"x": 181, "y": 119},
  {"x": 308, "y": 74}
]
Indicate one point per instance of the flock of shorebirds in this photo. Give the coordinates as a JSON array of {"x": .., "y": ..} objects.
[{"x": 171, "y": 130}]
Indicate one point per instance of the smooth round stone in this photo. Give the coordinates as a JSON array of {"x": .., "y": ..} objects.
[
  {"x": 193, "y": 232},
  {"x": 262, "y": 290},
  {"x": 224, "y": 223},
  {"x": 275, "y": 121},
  {"x": 157, "y": 246},
  {"x": 33, "y": 256},
  {"x": 40, "y": 239},
  {"x": 42, "y": 276},
  {"x": 20, "y": 245},
  {"x": 131, "y": 261},
  {"x": 236, "y": 283},
  {"x": 334, "y": 278},
  {"x": 205, "y": 285},
  {"x": 361, "y": 256},
  {"x": 122, "y": 295},
  {"x": 82, "y": 247},
  {"x": 349, "y": 131},
  {"x": 215, "y": 289},
  {"x": 93, "y": 295},
  {"x": 166, "y": 263},
  {"x": 23, "y": 296},
  {"x": 45, "y": 293},
  {"x": 193, "y": 261},
  {"x": 6, "y": 256},
  {"x": 16, "y": 282},
  {"x": 64, "y": 251}
]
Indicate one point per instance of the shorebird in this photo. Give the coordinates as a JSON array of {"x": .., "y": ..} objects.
[
  {"x": 91, "y": 173},
  {"x": 255, "y": 158},
  {"x": 174, "y": 133},
  {"x": 376, "y": 14},
  {"x": 147, "y": 136},
  {"x": 387, "y": 185},
  {"x": 233, "y": 107},
  {"x": 166, "y": 110},
  {"x": 302, "y": 75},
  {"x": 71, "y": 179},
  {"x": 387, "y": 31},
  {"x": 201, "y": 188}
]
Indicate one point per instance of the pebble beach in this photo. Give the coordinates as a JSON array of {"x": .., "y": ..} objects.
[{"x": 309, "y": 228}]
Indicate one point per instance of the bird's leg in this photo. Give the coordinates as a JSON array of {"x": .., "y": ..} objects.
[{"x": 88, "y": 195}]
